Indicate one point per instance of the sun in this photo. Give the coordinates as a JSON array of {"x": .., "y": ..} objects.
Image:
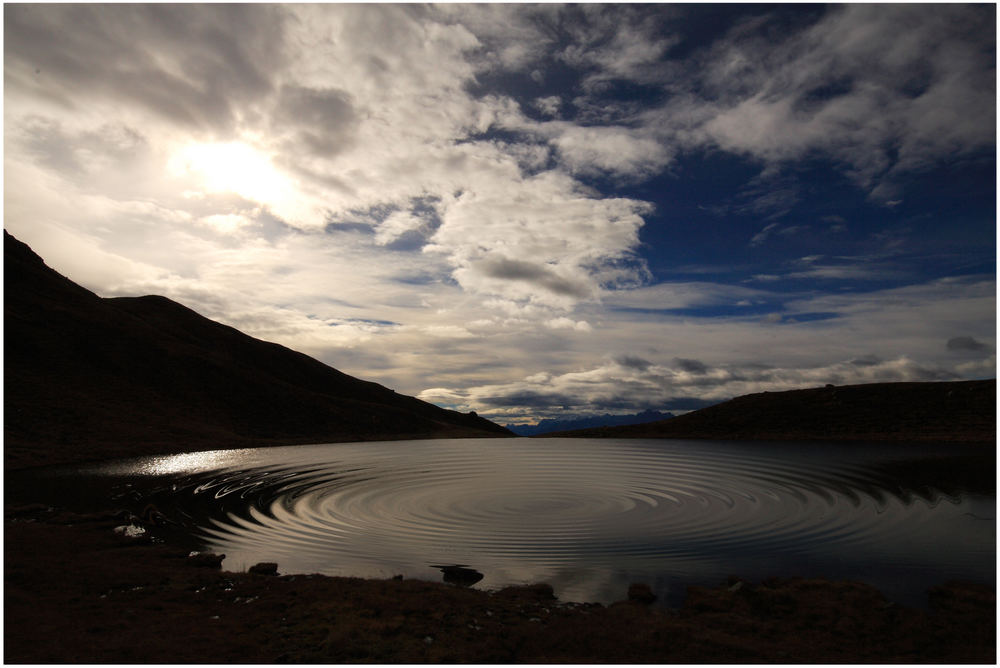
[{"x": 230, "y": 167}]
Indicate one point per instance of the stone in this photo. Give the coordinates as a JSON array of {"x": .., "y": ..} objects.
[
  {"x": 534, "y": 592},
  {"x": 459, "y": 574},
  {"x": 206, "y": 559},
  {"x": 640, "y": 593},
  {"x": 264, "y": 568},
  {"x": 130, "y": 531}
]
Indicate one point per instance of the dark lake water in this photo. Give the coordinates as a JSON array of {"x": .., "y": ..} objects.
[{"x": 587, "y": 516}]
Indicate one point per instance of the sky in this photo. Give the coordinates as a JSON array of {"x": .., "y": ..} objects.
[{"x": 529, "y": 211}]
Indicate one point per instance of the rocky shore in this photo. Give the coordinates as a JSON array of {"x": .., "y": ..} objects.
[{"x": 77, "y": 591}]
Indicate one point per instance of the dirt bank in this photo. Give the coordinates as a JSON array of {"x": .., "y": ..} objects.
[{"x": 77, "y": 592}]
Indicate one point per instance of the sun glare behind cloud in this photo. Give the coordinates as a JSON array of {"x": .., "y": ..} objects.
[{"x": 230, "y": 167}]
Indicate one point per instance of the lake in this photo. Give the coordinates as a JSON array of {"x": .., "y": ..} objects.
[{"x": 588, "y": 516}]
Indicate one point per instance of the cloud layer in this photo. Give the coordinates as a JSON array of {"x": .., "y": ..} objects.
[{"x": 453, "y": 200}]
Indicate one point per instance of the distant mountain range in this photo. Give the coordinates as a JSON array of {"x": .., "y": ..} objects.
[
  {"x": 606, "y": 420},
  {"x": 87, "y": 377},
  {"x": 960, "y": 411}
]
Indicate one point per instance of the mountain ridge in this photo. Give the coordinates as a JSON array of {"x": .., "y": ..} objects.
[
  {"x": 88, "y": 377},
  {"x": 607, "y": 420},
  {"x": 950, "y": 411}
]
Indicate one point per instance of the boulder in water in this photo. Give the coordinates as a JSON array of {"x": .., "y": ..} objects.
[
  {"x": 264, "y": 568},
  {"x": 459, "y": 574}
]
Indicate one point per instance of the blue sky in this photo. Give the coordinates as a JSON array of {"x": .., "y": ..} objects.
[{"x": 528, "y": 210}]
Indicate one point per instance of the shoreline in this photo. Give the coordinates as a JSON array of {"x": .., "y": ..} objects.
[{"x": 108, "y": 598}]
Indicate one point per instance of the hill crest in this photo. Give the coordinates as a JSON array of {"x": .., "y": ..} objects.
[
  {"x": 88, "y": 377},
  {"x": 955, "y": 411}
]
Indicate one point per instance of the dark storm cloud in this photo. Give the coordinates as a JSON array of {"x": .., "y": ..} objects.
[
  {"x": 688, "y": 403},
  {"x": 691, "y": 366},
  {"x": 965, "y": 343},
  {"x": 636, "y": 363},
  {"x": 529, "y": 272},
  {"x": 530, "y": 399},
  {"x": 323, "y": 118},
  {"x": 196, "y": 65}
]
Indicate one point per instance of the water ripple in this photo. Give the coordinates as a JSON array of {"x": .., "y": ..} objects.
[{"x": 575, "y": 511}]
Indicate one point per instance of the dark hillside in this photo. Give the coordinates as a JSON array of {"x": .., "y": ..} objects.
[
  {"x": 87, "y": 378},
  {"x": 961, "y": 411}
]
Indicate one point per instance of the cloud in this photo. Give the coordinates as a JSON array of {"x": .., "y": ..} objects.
[
  {"x": 965, "y": 343},
  {"x": 728, "y": 357},
  {"x": 447, "y": 212},
  {"x": 691, "y": 366},
  {"x": 675, "y": 295},
  {"x": 613, "y": 150},
  {"x": 637, "y": 363},
  {"x": 569, "y": 323},
  {"x": 332, "y": 126},
  {"x": 193, "y": 66},
  {"x": 549, "y": 105},
  {"x": 762, "y": 236},
  {"x": 516, "y": 270},
  {"x": 679, "y": 385},
  {"x": 880, "y": 106},
  {"x": 316, "y": 121}
]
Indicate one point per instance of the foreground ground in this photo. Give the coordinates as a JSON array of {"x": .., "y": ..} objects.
[{"x": 77, "y": 592}]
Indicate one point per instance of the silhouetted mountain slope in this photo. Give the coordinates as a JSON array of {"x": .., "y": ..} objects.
[
  {"x": 962, "y": 411},
  {"x": 87, "y": 377},
  {"x": 606, "y": 420}
]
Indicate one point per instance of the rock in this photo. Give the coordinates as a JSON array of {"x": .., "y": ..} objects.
[
  {"x": 206, "y": 559},
  {"x": 541, "y": 592},
  {"x": 641, "y": 593},
  {"x": 264, "y": 568},
  {"x": 152, "y": 516},
  {"x": 130, "y": 531},
  {"x": 459, "y": 574}
]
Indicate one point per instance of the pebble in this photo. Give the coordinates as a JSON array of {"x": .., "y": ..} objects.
[{"x": 130, "y": 531}]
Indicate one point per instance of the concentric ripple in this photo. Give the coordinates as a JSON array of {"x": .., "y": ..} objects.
[{"x": 587, "y": 516}]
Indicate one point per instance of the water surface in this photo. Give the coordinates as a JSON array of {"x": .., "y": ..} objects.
[{"x": 587, "y": 516}]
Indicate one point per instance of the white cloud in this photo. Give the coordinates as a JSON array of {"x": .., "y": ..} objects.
[
  {"x": 341, "y": 179},
  {"x": 862, "y": 82},
  {"x": 616, "y": 150},
  {"x": 569, "y": 323},
  {"x": 677, "y": 386},
  {"x": 549, "y": 105}
]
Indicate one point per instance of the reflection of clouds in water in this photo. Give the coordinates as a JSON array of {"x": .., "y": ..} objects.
[{"x": 586, "y": 516}]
